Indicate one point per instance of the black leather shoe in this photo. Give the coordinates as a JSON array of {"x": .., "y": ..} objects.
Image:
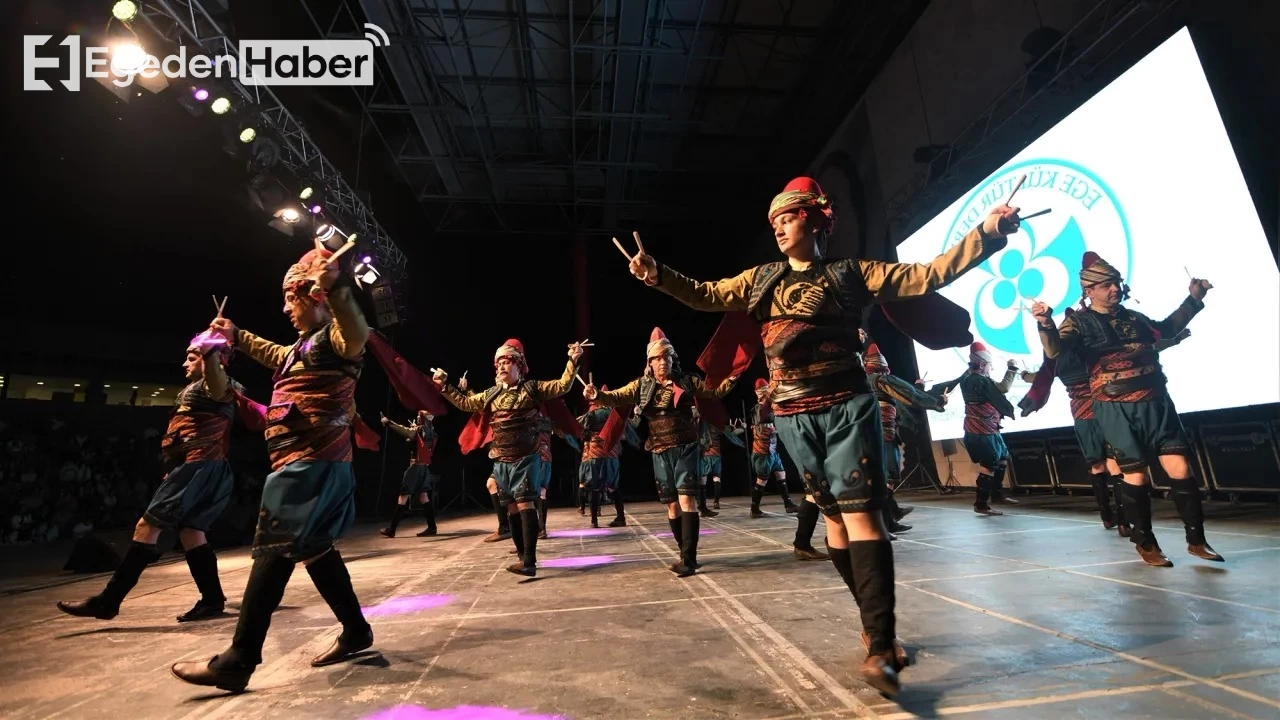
[
  {"x": 200, "y": 673},
  {"x": 522, "y": 569},
  {"x": 203, "y": 611},
  {"x": 94, "y": 607},
  {"x": 897, "y": 527},
  {"x": 682, "y": 570},
  {"x": 704, "y": 512},
  {"x": 619, "y": 521},
  {"x": 344, "y": 647},
  {"x": 429, "y": 532}
]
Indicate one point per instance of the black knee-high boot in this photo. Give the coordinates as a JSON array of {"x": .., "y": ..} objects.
[
  {"x": 541, "y": 507},
  {"x": 1186, "y": 498},
  {"x": 1102, "y": 496},
  {"x": 515, "y": 521},
  {"x": 262, "y": 594},
  {"x": 106, "y": 604},
  {"x": 620, "y": 519},
  {"x": 595, "y": 508},
  {"x": 582, "y": 499},
  {"x": 203, "y": 564},
  {"x": 230, "y": 669},
  {"x": 983, "y": 484},
  {"x": 873, "y": 576},
  {"x": 1137, "y": 509},
  {"x": 330, "y": 576},
  {"x": 397, "y": 515},
  {"x": 843, "y": 561},
  {"x": 529, "y": 528},
  {"x": 677, "y": 531},
  {"x": 429, "y": 513},
  {"x": 757, "y": 494},
  {"x": 716, "y": 492},
  {"x": 807, "y": 523},
  {"x": 689, "y": 522},
  {"x": 786, "y": 495},
  {"x": 997, "y": 486},
  {"x": 1117, "y": 491}
]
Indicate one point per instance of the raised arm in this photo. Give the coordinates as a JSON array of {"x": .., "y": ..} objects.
[
  {"x": 1006, "y": 382},
  {"x": 464, "y": 402},
  {"x": 719, "y": 296},
  {"x": 1056, "y": 340},
  {"x": 890, "y": 281},
  {"x": 263, "y": 352},
  {"x": 992, "y": 393},
  {"x": 216, "y": 382},
  {"x": 904, "y": 392},
  {"x": 1179, "y": 318},
  {"x": 702, "y": 391},
  {"x": 547, "y": 389},
  {"x": 622, "y": 397},
  {"x": 403, "y": 431},
  {"x": 350, "y": 330}
]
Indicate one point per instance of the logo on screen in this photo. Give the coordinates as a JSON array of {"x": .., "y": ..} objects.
[{"x": 1042, "y": 260}]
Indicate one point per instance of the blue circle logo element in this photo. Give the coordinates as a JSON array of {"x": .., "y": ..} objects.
[{"x": 1042, "y": 260}]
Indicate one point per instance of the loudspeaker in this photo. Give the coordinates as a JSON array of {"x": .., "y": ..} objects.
[
  {"x": 1241, "y": 457},
  {"x": 1030, "y": 465},
  {"x": 92, "y": 554},
  {"x": 1070, "y": 469}
]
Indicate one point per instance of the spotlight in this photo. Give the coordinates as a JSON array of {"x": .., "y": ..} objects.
[
  {"x": 220, "y": 106},
  {"x": 127, "y": 58},
  {"x": 325, "y": 231},
  {"x": 366, "y": 273},
  {"x": 247, "y": 135},
  {"x": 366, "y": 259},
  {"x": 306, "y": 193},
  {"x": 200, "y": 94},
  {"x": 315, "y": 209},
  {"x": 124, "y": 11},
  {"x": 290, "y": 215}
]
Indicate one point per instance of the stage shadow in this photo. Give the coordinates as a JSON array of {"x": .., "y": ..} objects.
[
  {"x": 1211, "y": 570},
  {"x": 144, "y": 630},
  {"x": 218, "y": 695}
]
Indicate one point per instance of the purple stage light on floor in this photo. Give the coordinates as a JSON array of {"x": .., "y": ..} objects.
[
  {"x": 577, "y": 561},
  {"x": 460, "y": 712},
  {"x": 410, "y": 604},
  {"x": 585, "y": 532},
  {"x": 702, "y": 531}
]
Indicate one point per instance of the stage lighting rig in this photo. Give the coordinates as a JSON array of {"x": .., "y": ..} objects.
[
  {"x": 365, "y": 272},
  {"x": 220, "y": 106},
  {"x": 124, "y": 11}
]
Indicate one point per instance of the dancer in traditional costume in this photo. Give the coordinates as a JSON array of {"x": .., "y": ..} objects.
[
  {"x": 984, "y": 404},
  {"x": 308, "y": 500},
  {"x": 893, "y": 393},
  {"x": 600, "y": 468},
  {"x": 665, "y": 395},
  {"x": 712, "y": 465},
  {"x": 195, "y": 491},
  {"x": 809, "y": 308},
  {"x": 510, "y": 413},
  {"x": 765, "y": 463},
  {"x": 417, "y": 479},
  {"x": 1131, "y": 403}
]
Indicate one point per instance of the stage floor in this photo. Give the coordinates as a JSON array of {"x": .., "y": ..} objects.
[{"x": 1037, "y": 614}]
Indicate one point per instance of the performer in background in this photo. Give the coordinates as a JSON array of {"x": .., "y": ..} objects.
[
  {"x": 600, "y": 468},
  {"x": 664, "y": 395},
  {"x": 712, "y": 465},
  {"x": 984, "y": 405},
  {"x": 1131, "y": 402},
  {"x": 308, "y": 500},
  {"x": 893, "y": 393},
  {"x": 195, "y": 491},
  {"x": 417, "y": 479},
  {"x": 511, "y": 410},
  {"x": 765, "y": 463},
  {"x": 810, "y": 308}
]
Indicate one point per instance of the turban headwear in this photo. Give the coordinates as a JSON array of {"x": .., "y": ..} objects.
[{"x": 804, "y": 194}]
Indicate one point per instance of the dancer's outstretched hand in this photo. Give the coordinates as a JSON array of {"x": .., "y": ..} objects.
[
  {"x": 224, "y": 327},
  {"x": 589, "y": 392},
  {"x": 643, "y": 266}
]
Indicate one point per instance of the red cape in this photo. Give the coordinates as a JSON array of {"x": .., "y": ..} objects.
[{"x": 415, "y": 389}]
